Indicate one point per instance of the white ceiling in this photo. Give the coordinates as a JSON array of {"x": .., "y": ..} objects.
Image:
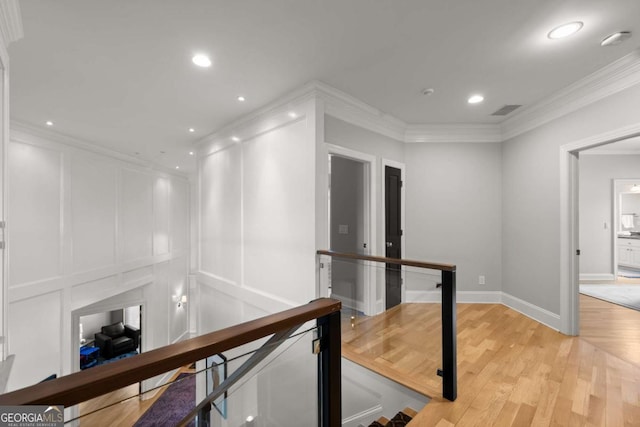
[{"x": 119, "y": 73}]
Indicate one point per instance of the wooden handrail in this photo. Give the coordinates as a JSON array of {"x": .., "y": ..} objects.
[
  {"x": 81, "y": 386},
  {"x": 412, "y": 263}
]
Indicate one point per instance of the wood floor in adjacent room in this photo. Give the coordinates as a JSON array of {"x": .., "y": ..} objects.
[{"x": 512, "y": 371}]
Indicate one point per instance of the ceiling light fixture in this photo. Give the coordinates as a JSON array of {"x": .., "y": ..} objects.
[
  {"x": 177, "y": 167},
  {"x": 49, "y": 123},
  {"x": 191, "y": 153},
  {"x": 565, "y": 30},
  {"x": 475, "y": 99},
  {"x": 241, "y": 98},
  {"x": 235, "y": 139},
  {"x": 615, "y": 38},
  {"x": 192, "y": 130},
  {"x": 201, "y": 60},
  {"x": 292, "y": 114}
]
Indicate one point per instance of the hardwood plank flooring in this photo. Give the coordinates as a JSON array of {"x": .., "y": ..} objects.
[
  {"x": 122, "y": 407},
  {"x": 512, "y": 371}
]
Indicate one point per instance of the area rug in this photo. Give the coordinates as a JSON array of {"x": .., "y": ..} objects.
[
  {"x": 624, "y": 295},
  {"x": 172, "y": 405},
  {"x": 630, "y": 273}
]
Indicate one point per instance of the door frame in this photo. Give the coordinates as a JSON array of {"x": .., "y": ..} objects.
[
  {"x": 569, "y": 221},
  {"x": 616, "y": 217},
  {"x": 369, "y": 209},
  {"x": 402, "y": 167}
]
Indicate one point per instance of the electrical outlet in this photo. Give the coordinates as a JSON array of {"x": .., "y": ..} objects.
[{"x": 481, "y": 280}]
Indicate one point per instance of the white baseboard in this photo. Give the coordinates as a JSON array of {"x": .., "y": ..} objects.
[
  {"x": 534, "y": 312},
  {"x": 476, "y": 297},
  {"x": 605, "y": 276},
  {"x": 349, "y": 302},
  {"x": 267, "y": 302}
]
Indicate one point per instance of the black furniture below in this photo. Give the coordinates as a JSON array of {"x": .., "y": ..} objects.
[{"x": 117, "y": 339}]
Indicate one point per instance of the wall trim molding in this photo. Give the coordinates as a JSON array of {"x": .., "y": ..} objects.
[
  {"x": 472, "y": 297},
  {"x": 267, "y": 302},
  {"x": 350, "y": 109},
  {"x": 608, "y": 80},
  {"x": 10, "y": 21},
  {"x": 29, "y": 134},
  {"x": 612, "y": 78},
  {"x": 461, "y": 132},
  {"x": 532, "y": 311},
  {"x": 601, "y": 276}
]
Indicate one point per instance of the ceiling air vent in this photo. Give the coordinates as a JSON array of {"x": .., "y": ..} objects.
[{"x": 506, "y": 110}]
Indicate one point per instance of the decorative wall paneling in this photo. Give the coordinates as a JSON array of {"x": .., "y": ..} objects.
[
  {"x": 257, "y": 215},
  {"x": 86, "y": 229}
]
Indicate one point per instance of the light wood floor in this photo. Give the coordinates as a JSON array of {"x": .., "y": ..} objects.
[
  {"x": 512, "y": 371},
  {"x": 122, "y": 407}
]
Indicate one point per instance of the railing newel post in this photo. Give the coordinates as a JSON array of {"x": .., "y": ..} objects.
[
  {"x": 449, "y": 358},
  {"x": 330, "y": 371}
]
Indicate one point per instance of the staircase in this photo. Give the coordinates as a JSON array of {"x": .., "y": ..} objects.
[{"x": 401, "y": 419}]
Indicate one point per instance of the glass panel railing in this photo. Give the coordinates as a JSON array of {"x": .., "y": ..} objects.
[
  {"x": 393, "y": 319},
  {"x": 281, "y": 383},
  {"x": 173, "y": 384},
  {"x": 153, "y": 402},
  {"x": 281, "y": 390}
]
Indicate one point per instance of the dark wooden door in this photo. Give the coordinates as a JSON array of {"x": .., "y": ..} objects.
[{"x": 393, "y": 235}]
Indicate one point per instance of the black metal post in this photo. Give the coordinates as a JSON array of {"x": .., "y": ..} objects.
[
  {"x": 449, "y": 352},
  {"x": 330, "y": 371}
]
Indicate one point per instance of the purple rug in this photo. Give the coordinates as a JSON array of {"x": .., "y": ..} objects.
[{"x": 172, "y": 405}]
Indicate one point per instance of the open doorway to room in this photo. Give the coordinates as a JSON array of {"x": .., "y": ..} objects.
[
  {"x": 351, "y": 202},
  {"x": 608, "y": 291},
  {"x": 109, "y": 336}
]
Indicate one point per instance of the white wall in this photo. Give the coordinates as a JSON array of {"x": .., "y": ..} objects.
[
  {"x": 531, "y": 196},
  {"x": 82, "y": 228},
  {"x": 453, "y": 203},
  {"x": 257, "y": 215},
  {"x": 597, "y": 173},
  {"x": 453, "y": 208}
]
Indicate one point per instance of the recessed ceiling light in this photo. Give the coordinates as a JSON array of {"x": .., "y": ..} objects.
[
  {"x": 235, "y": 139},
  {"x": 49, "y": 123},
  {"x": 615, "y": 38},
  {"x": 565, "y": 30},
  {"x": 191, "y": 153},
  {"x": 192, "y": 130},
  {"x": 177, "y": 167},
  {"x": 201, "y": 60},
  {"x": 475, "y": 99},
  {"x": 292, "y": 114},
  {"x": 241, "y": 98}
]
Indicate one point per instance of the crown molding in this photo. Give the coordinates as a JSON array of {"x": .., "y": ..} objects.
[
  {"x": 347, "y": 108},
  {"x": 10, "y": 21},
  {"x": 611, "y": 79},
  {"x": 24, "y": 132},
  {"x": 248, "y": 126},
  {"x": 452, "y": 133}
]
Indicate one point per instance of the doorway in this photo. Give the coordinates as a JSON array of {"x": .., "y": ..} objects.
[
  {"x": 351, "y": 217},
  {"x": 393, "y": 235},
  {"x": 569, "y": 223}
]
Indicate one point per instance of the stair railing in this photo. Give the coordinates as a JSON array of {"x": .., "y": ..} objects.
[
  {"x": 448, "y": 372},
  {"x": 70, "y": 390}
]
